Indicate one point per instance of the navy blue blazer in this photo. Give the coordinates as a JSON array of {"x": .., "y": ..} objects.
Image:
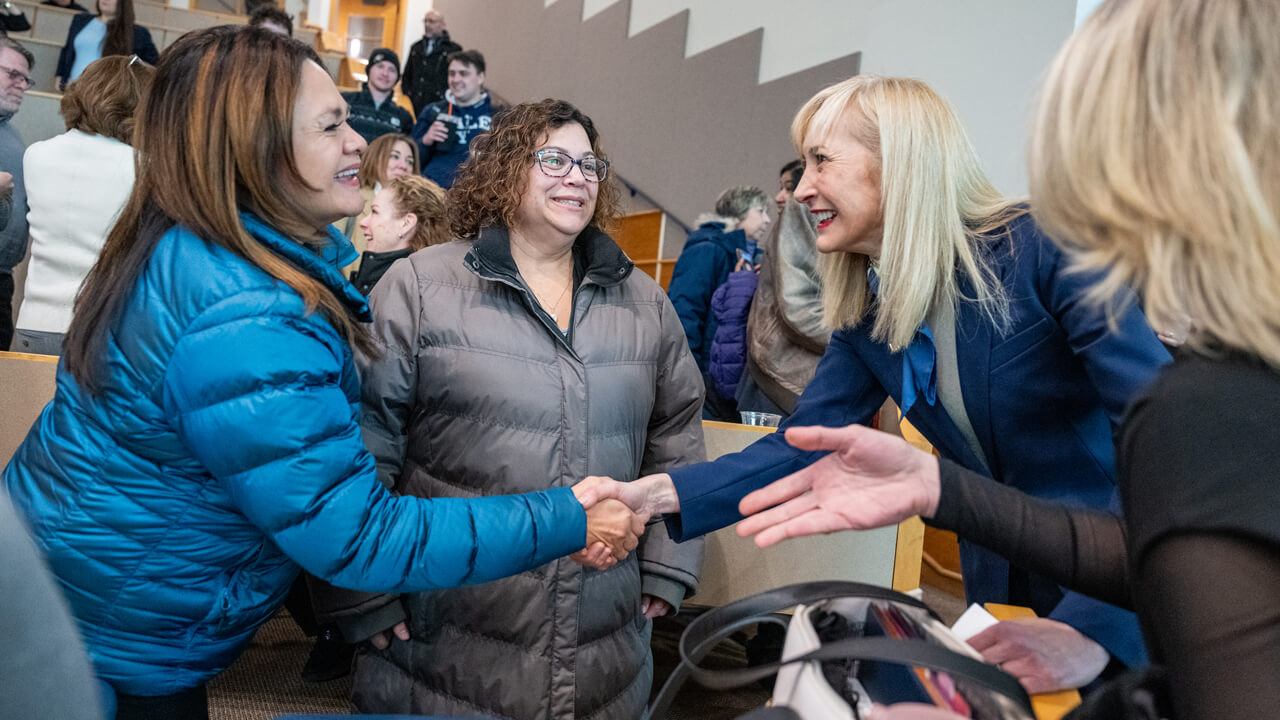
[
  {"x": 143, "y": 47},
  {"x": 1044, "y": 399}
]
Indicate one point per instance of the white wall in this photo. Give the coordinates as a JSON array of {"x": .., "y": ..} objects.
[
  {"x": 985, "y": 56},
  {"x": 411, "y": 12},
  {"x": 318, "y": 13},
  {"x": 293, "y": 8}
]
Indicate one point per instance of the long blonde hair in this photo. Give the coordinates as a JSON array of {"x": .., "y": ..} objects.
[
  {"x": 1156, "y": 160},
  {"x": 936, "y": 203}
]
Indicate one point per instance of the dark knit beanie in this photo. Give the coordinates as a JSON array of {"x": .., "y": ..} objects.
[{"x": 384, "y": 55}]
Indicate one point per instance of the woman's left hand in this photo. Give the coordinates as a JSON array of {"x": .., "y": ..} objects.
[
  {"x": 653, "y": 606},
  {"x": 1045, "y": 655}
]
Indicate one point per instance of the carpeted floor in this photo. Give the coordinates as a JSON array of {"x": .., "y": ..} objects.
[{"x": 265, "y": 683}]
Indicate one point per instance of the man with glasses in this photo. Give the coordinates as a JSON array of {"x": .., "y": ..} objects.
[
  {"x": 425, "y": 71},
  {"x": 446, "y": 127},
  {"x": 15, "y": 78}
]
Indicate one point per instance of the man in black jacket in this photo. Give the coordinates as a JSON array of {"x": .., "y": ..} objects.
[
  {"x": 374, "y": 111},
  {"x": 425, "y": 71}
]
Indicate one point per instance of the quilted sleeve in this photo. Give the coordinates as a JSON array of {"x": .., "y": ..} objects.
[{"x": 257, "y": 399}]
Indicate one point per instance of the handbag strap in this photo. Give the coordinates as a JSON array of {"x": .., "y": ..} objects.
[
  {"x": 712, "y": 623},
  {"x": 714, "y": 626},
  {"x": 919, "y": 653}
]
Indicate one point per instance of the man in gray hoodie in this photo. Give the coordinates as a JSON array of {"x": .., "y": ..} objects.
[{"x": 15, "y": 78}]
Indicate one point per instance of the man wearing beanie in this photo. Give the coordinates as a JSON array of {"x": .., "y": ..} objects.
[{"x": 373, "y": 110}]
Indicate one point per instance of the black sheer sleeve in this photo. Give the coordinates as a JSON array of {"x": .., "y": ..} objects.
[
  {"x": 1199, "y": 461},
  {"x": 1082, "y": 550},
  {"x": 1210, "y": 605}
]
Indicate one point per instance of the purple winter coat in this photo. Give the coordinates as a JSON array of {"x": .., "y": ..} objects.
[{"x": 731, "y": 304}]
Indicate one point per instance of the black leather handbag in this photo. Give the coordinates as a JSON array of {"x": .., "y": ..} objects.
[{"x": 848, "y": 644}]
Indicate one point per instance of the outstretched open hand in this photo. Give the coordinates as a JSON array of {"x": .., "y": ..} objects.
[{"x": 871, "y": 479}]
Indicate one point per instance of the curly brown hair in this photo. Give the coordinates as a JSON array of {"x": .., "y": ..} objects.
[
  {"x": 425, "y": 199},
  {"x": 104, "y": 99},
  {"x": 490, "y": 185}
]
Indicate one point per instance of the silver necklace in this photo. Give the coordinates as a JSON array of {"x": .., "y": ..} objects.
[{"x": 551, "y": 308}]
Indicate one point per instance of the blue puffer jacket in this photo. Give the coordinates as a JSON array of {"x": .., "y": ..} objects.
[
  {"x": 705, "y": 263},
  {"x": 731, "y": 304},
  {"x": 223, "y": 452}
]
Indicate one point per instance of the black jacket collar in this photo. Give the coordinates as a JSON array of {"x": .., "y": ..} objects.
[{"x": 597, "y": 257}]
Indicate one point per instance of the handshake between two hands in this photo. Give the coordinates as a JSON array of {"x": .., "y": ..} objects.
[
  {"x": 870, "y": 479},
  {"x": 617, "y": 514}
]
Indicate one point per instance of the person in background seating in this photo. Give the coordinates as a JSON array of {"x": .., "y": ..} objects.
[
  {"x": 405, "y": 216},
  {"x": 15, "y": 77},
  {"x": 426, "y": 71},
  {"x": 712, "y": 251},
  {"x": 112, "y": 31},
  {"x": 77, "y": 183},
  {"x": 66, "y": 5},
  {"x": 446, "y": 128},
  {"x": 374, "y": 111},
  {"x": 270, "y": 17},
  {"x": 387, "y": 158}
]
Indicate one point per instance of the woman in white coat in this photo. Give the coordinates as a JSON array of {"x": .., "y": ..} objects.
[{"x": 76, "y": 184}]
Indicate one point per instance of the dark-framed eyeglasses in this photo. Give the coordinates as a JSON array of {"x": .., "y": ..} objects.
[
  {"x": 558, "y": 163},
  {"x": 18, "y": 76}
]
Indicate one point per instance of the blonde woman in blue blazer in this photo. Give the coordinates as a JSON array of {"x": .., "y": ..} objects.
[{"x": 948, "y": 299}]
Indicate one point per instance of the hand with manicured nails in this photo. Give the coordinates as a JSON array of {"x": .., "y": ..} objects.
[{"x": 871, "y": 479}]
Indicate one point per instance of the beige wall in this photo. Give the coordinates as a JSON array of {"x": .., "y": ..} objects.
[{"x": 683, "y": 128}]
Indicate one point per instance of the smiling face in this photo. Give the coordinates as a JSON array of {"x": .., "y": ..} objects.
[
  {"x": 841, "y": 186},
  {"x": 465, "y": 82},
  {"x": 399, "y": 162},
  {"x": 385, "y": 227},
  {"x": 383, "y": 76},
  {"x": 326, "y": 150},
  {"x": 559, "y": 207}
]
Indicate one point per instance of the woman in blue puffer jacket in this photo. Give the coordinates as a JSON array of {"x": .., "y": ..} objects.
[{"x": 204, "y": 438}]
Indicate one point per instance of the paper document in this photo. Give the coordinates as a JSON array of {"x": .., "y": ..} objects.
[{"x": 973, "y": 621}]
